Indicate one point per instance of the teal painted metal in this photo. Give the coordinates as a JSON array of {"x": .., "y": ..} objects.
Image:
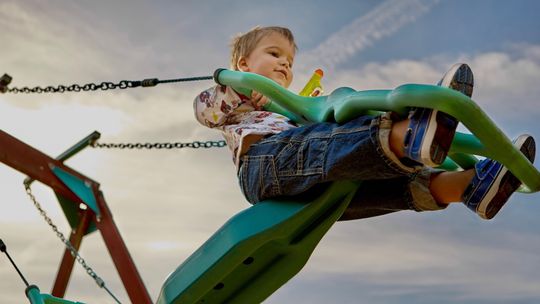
[
  {"x": 345, "y": 103},
  {"x": 70, "y": 208},
  {"x": 48, "y": 299},
  {"x": 258, "y": 250},
  {"x": 78, "y": 186},
  {"x": 35, "y": 297},
  {"x": 73, "y": 214},
  {"x": 78, "y": 147},
  {"x": 84, "y": 192}
]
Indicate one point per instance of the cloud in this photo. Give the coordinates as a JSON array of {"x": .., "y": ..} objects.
[
  {"x": 409, "y": 255},
  {"x": 505, "y": 81},
  {"x": 509, "y": 82},
  {"x": 58, "y": 47}
]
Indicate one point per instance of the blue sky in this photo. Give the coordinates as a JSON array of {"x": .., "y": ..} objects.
[{"x": 161, "y": 200}]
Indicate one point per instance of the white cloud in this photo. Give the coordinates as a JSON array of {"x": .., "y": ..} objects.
[
  {"x": 505, "y": 82},
  {"x": 409, "y": 256}
]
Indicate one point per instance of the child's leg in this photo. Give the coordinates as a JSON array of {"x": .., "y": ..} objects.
[
  {"x": 427, "y": 134},
  {"x": 293, "y": 161},
  {"x": 448, "y": 187},
  {"x": 380, "y": 197},
  {"x": 484, "y": 189},
  {"x": 397, "y": 137},
  {"x": 493, "y": 184}
]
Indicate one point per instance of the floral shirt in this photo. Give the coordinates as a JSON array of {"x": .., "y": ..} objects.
[{"x": 222, "y": 108}]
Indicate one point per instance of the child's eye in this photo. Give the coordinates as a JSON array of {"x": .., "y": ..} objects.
[{"x": 275, "y": 54}]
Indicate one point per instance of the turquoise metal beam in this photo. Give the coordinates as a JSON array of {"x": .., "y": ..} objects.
[
  {"x": 76, "y": 148},
  {"x": 81, "y": 188}
]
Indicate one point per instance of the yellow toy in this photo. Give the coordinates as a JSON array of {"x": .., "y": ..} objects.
[{"x": 314, "y": 87}]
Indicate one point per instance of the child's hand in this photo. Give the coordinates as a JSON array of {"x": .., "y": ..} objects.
[{"x": 258, "y": 100}]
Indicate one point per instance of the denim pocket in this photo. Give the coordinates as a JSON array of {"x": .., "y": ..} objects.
[
  {"x": 301, "y": 158},
  {"x": 258, "y": 178}
]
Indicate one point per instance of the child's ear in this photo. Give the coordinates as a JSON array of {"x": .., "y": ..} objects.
[{"x": 242, "y": 64}]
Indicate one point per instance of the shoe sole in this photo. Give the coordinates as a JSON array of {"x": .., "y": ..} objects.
[
  {"x": 459, "y": 78},
  {"x": 440, "y": 136},
  {"x": 497, "y": 196}
]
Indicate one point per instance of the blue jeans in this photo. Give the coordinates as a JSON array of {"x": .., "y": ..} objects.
[{"x": 293, "y": 161}]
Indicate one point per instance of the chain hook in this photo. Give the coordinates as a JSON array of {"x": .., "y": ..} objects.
[{"x": 5, "y": 80}]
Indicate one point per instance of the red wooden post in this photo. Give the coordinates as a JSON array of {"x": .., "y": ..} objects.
[
  {"x": 119, "y": 253},
  {"x": 66, "y": 266}
]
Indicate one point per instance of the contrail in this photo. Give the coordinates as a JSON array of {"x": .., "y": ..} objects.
[{"x": 382, "y": 21}]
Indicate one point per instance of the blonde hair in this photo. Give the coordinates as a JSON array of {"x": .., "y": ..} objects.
[{"x": 243, "y": 44}]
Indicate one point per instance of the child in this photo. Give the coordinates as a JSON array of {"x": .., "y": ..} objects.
[{"x": 392, "y": 157}]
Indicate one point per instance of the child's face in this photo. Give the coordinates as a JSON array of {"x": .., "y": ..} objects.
[{"x": 272, "y": 57}]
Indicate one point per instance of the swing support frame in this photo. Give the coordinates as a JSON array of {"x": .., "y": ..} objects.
[{"x": 84, "y": 206}]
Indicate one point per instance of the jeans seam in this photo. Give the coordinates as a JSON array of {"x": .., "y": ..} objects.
[
  {"x": 349, "y": 131},
  {"x": 408, "y": 197},
  {"x": 276, "y": 188},
  {"x": 259, "y": 160},
  {"x": 300, "y": 160}
]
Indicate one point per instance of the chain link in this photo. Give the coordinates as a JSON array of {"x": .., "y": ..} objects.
[
  {"x": 124, "y": 84},
  {"x": 157, "y": 146},
  {"x": 104, "y": 86},
  {"x": 99, "y": 281}
]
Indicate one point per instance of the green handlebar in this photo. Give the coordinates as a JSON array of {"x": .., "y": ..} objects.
[{"x": 345, "y": 103}]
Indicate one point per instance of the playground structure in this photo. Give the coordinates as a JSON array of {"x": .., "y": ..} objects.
[{"x": 261, "y": 248}]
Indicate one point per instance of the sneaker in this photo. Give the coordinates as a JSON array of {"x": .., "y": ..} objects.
[
  {"x": 493, "y": 183},
  {"x": 460, "y": 78},
  {"x": 430, "y": 131}
]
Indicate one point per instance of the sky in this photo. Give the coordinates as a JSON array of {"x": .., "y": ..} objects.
[{"x": 167, "y": 203}]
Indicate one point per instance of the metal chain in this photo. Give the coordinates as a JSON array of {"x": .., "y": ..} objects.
[
  {"x": 99, "y": 281},
  {"x": 124, "y": 84},
  {"x": 149, "y": 146}
]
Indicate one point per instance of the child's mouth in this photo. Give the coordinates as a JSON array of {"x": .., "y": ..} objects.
[{"x": 283, "y": 73}]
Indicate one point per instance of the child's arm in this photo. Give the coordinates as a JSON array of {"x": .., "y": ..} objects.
[{"x": 213, "y": 106}]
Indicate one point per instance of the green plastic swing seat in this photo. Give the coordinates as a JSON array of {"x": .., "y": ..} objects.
[
  {"x": 262, "y": 247},
  {"x": 257, "y": 251}
]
